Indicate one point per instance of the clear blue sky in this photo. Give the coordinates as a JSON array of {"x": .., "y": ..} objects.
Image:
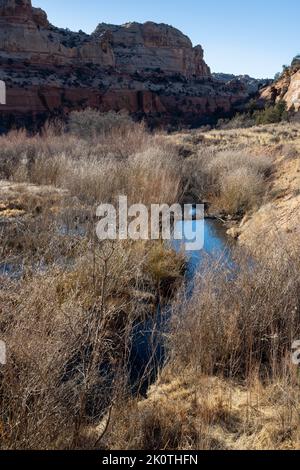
[{"x": 239, "y": 36}]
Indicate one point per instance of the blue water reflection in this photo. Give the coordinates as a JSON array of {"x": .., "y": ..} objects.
[{"x": 147, "y": 349}]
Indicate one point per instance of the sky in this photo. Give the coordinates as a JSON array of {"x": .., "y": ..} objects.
[{"x": 254, "y": 37}]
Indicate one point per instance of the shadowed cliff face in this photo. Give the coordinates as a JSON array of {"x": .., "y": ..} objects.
[{"x": 151, "y": 70}]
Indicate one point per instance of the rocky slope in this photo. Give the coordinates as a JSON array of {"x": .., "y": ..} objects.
[
  {"x": 286, "y": 87},
  {"x": 150, "y": 70},
  {"x": 253, "y": 85}
]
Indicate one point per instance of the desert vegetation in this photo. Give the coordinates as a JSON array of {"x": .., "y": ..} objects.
[
  {"x": 229, "y": 382},
  {"x": 70, "y": 305},
  {"x": 233, "y": 181},
  {"x": 256, "y": 115}
]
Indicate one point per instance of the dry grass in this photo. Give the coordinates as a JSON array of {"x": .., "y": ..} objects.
[
  {"x": 130, "y": 162},
  {"x": 234, "y": 182},
  {"x": 240, "y": 191},
  {"x": 248, "y": 322},
  {"x": 67, "y": 313},
  {"x": 68, "y": 310},
  {"x": 238, "y": 180},
  {"x": 191, "y": 411},
  {"x": 68, "y": 331},
  {"x": 230, "y": 382},
  {"x": 234, "y": 170}
]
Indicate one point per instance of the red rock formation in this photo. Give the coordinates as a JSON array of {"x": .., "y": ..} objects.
[
  {"x": 151, "y": 70},
  {"x": 26, "y": 35},
  {"x": 150, "y": 46}
]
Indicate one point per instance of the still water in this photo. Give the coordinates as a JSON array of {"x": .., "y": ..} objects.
[{"x": 147, "y": 351}]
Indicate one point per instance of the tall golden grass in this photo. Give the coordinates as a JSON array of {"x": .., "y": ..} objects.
[{"x": 68, "y": 311}]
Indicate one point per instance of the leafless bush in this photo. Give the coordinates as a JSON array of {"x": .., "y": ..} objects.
[
  {"x": 155, "y": 176},
  {"x": 227, "y": 161},
  {"x": 123, "y": 160},
  {"x": 241, "y": 190},
  {"x": 68, "y": 333},
  {"x": 233, "y": 181},
  {"x": 243, "y": 321},
  {"x": 91, "y": 123},
  {"x": 68, "y": 313}
]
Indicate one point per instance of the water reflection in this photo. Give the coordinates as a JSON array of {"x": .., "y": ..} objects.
[
  {"x": 147, "y": 349},
  {"x": 216, "y": 243}
]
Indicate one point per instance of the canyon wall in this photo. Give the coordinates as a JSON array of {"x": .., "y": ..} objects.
[{"x": 150, "y": 70}]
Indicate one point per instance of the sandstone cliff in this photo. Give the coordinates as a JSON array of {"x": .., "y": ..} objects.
[
  {"x": 149, "y": 47},
  {"x": 26, "y": 35},
  {"x": 151, "y": 70},
  {"x": 286, "y": 88}
]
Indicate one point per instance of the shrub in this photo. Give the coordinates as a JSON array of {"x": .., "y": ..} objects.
[
  {"x": 296, "y": 61},
  {"x": 232, "y": 180},
  {"x": 126, "y": 160},
  {"x": 69, "y": 334},
  {"x": 154, "y": 176},
  {"x": 240, "y": 191},
  {"x": 239, "y": 121},
  {"x": 247, "y": 323},
  {"x": 228, "y": 161},
  {"x": 91, "y": 123},
  {"x": 272, "y": 114}
]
